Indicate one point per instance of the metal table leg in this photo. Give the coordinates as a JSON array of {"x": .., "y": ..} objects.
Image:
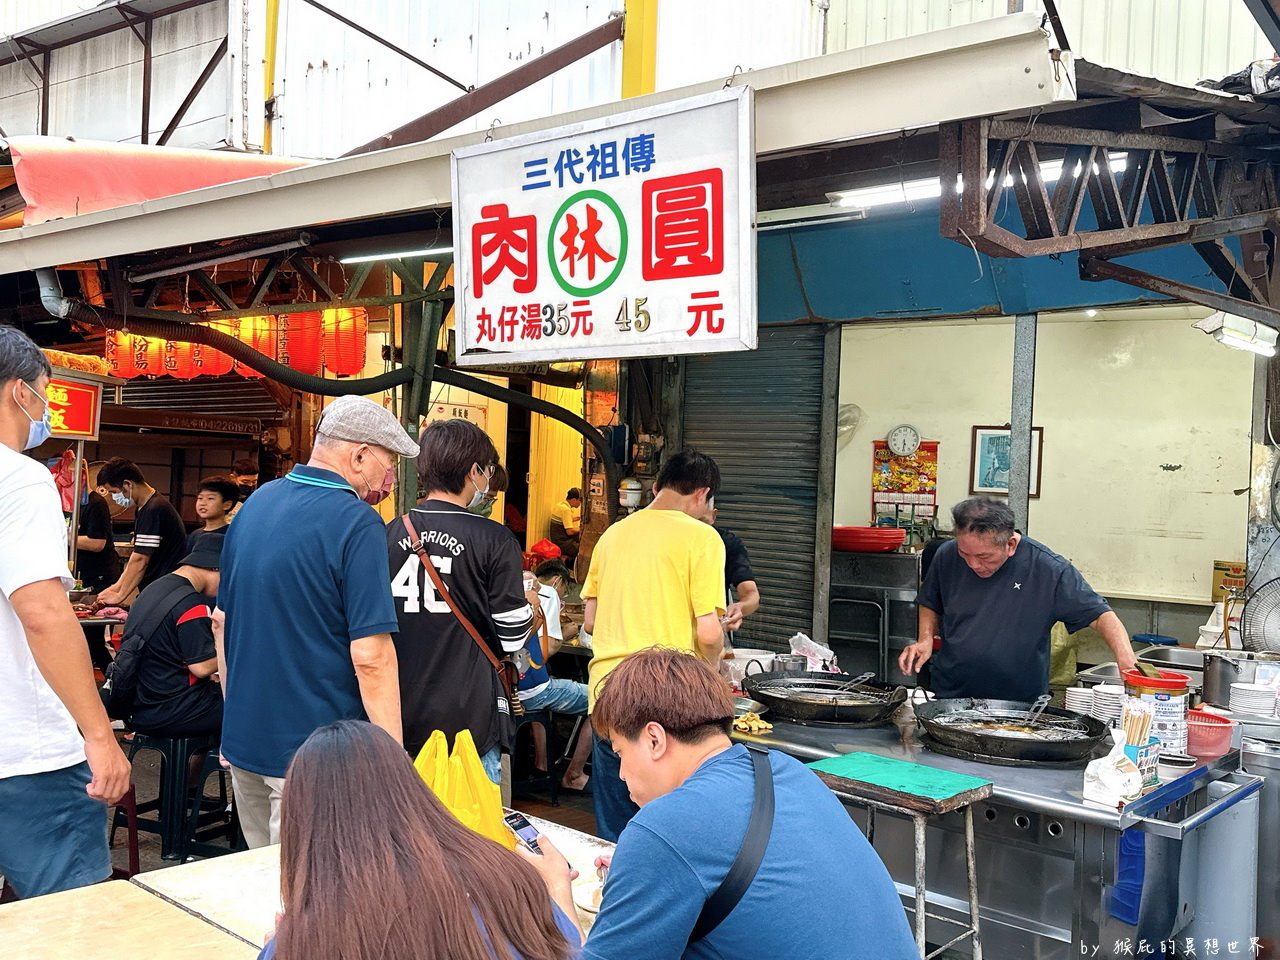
[
  {"x": 921, "y": 823},
  {"x": 970, "y": 862}
]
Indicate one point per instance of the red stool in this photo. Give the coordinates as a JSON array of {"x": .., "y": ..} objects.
[{"x": 129, "y": 806}]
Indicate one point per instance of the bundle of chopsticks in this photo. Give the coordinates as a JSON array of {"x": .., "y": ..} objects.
[{"x": 1136, "y": 720}]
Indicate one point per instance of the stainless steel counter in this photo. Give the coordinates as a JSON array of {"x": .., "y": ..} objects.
[
  {"x": 1052, "y": 791},
  {"x": 1059, "y": 877}
]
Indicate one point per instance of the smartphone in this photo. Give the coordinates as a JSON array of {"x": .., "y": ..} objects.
[{"x": 524, "y": 830}]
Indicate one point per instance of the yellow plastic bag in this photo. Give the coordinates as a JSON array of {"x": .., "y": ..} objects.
[
  {"x": 432, "y": 762},
  {"x": 459, "y": 780}
]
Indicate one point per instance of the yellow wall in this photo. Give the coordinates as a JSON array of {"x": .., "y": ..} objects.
[
  {"x": 1146, "y": 436},
  {"x": 555, "y": 459}
]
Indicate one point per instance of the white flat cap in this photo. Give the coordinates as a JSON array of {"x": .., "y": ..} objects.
[{"x": 360, "y": 420}]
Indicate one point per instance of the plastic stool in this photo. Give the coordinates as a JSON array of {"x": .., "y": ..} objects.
[
  {"x": 206, "y": 811},
  {"x": 170, "y": 805},
  {"x": 551, "y": 781}
]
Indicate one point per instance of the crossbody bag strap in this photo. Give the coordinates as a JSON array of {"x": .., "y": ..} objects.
[
  {"x": 745, "y": 865},
  {"x": 415, "y": 542}
]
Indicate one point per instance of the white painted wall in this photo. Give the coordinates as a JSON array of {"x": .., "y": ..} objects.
[{"x": 1118, "y": 400}]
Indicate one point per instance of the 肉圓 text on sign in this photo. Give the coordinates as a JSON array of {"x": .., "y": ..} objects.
[{"x": 628, "y": 236}]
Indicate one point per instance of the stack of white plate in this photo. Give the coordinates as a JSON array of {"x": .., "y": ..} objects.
[
  {"x": 1256, "y": 698},
  {"x": 1079, "y": 699},
  {"x": 1108, "y": 701}
]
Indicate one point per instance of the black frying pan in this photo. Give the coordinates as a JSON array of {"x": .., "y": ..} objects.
[
  {"x": 1008, "y": 748},
  {"x": 806, "y": 710}
]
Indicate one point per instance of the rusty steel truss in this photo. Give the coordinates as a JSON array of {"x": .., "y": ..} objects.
[
  {"x": 280, "y": 282},
  {"x": 1114, "y": 194}
]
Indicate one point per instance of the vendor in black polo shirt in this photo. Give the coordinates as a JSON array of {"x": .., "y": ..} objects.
[
  {"x": 991, "y": 596},
  {"x": 159, "y": 536}
]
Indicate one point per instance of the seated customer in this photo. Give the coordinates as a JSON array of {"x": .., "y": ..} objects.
[
  {"x": 668, "y": 716},
  {"x": 215, "y": 499},
  {"x": 374, "y": 867},
  {"x": 173, "y": 693},
  {"x": 566, "y": 523},
  {"x": 538, "y": 690}
]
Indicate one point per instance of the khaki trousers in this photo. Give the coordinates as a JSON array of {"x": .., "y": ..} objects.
[{"x": 258, "y": 805}]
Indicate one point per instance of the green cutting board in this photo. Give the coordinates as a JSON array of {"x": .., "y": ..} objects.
[{"x": 914, "y": 779}]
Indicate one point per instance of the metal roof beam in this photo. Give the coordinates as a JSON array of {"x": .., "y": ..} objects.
[{"x": 194, "y": 92}]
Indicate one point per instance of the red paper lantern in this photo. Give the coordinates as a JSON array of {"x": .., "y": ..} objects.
[
  {"x": 263, "y": 335},
  {"x": 119, "y": 354},
  {"x": 179, "y": 359},
  {"x": 345, "y": 331},
  {"x": 148, "y": 355},
  {"x": 302, "y": 342},
  {"x": 214, "y": 363}
]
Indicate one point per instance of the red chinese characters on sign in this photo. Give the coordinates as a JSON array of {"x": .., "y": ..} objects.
[
  {"x": 73, "y": 409},
  {"x": 581, "y": 242},
  {"x": 501, "y": 243},
  {"x": 706, "y": 311},
  {"x": 683, "y": 228}
]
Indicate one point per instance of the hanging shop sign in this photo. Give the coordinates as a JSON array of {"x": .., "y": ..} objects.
[
  {"x": 471, "y": 412},
  {"x": 627, "y": 236},
  {"x": 904, "y": 481},
  {"x": 74, "y": 408}
]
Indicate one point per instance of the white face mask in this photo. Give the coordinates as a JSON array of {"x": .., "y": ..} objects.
[
  {"x": 479, "y": 494},
  {"x": 122, "y": 499}
]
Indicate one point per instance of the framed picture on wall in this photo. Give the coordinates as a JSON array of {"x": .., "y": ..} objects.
[{"x": 989, "y": 460}]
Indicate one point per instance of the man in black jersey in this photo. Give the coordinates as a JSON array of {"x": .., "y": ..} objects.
[
  {"x": 159, "y": 536},
  {"x": 446, "y": 681}
]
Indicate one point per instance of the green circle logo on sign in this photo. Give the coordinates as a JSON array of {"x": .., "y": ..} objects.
[{"x": 587, "y": 243}]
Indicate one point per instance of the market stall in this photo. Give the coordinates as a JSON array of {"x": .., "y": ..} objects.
[{"x": 1058, "y": 875}]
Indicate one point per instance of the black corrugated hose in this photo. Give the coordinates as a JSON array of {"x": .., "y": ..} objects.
[{"x": 192, "y": 332}]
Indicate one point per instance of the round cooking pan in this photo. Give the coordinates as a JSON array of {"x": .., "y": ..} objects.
[
  {"x": 1006, "y": 747},
  {"x": 805, "y": 710}
]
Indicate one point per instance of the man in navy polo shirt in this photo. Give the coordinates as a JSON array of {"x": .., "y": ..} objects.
[
  {"x": 991, "y": 596},
  {"x": 305, "y": 612}
]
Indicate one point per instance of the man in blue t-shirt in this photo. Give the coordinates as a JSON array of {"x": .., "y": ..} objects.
[
  {"x": 988, "y": 603},
  {"x": 668, "y": 714},
  {"x": 305, "y": 612}
]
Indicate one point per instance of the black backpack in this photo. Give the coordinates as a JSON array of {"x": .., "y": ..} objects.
[{"x": 121, "y": 689}]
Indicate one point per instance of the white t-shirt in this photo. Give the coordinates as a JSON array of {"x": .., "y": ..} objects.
[
  {"x": 551, "y": 610},
  {"x": 37, "y": 734}
]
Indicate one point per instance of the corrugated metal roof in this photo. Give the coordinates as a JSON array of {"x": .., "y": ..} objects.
[
  {"x": 902, "y": 83},
  {"x": 708, "y": 39},
  {"x": 337, "y": 89},
  {"x": 80, "y": 20},
  {"x": 229, "y": 396},
  {"x": 1181, "y": 41}
]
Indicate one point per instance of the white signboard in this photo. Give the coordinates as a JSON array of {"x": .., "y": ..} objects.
[{"x": 628, "y": 236}]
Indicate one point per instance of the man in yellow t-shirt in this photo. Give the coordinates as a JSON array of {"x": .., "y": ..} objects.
[
  {"x": 566, "y": 524},
  {"x": 656, "y": 579}
]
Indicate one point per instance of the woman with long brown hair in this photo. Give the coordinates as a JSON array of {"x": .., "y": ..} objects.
[{"x": 374, "y": 867}]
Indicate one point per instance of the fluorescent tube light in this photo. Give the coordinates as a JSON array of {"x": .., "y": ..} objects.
[
  {"x": 910, "y": 190},
  {"x": 396, "y": 256},
  {"x": 1240, "y": 333}
]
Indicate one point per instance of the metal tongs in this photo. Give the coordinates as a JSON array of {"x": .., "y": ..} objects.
[
  {"x": 1037, "y": 708},
  {"x": 855, "y": 682}
]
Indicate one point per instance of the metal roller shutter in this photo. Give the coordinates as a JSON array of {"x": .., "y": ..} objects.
[{"x": 767, "y": 417}]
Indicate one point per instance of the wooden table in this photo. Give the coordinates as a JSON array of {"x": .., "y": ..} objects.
[
  {"x": 111, "y": 921},
  {"x": 240, "y": 893}
]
